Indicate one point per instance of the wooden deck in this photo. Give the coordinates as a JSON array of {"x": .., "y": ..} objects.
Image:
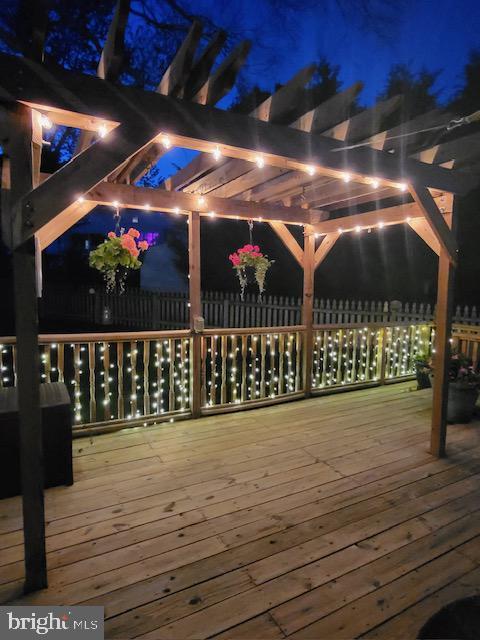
[{"x": 324, "y": 518}]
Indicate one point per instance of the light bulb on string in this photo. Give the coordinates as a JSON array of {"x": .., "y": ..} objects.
[
  {"x": 217, "y": 154},
  {"x": 166, "y": 142},
  {"x": 102, "y": 130},
  {"x": 260, "y": 162},
  {"x": 45, "y": 121}
]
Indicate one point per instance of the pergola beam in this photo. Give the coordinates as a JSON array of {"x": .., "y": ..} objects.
[
  {"x": 424, "y": 231},
  {"x": 440, "y": 228},
  {"x": 134, "y": 197},
  {"x": 325, "y": 247},
  {"x": 393, "y": 215},
  {"x": 81, "y": 174},
  {"x": 288, "y": 240},
  {"x": 202, "y": 67},
  {"x": 199, "y": 127},
  {"x": 174, "y": 78},
  {"x": 114, "y": 48},
  {"x": 274, "y": 108}
]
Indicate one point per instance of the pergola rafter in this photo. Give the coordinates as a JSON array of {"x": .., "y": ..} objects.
[{"x": 282, "y": 174}]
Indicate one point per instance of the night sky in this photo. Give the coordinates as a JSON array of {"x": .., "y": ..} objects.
[{"x": 436, "y": 36}]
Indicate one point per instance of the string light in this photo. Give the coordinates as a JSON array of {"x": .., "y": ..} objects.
[
  {"x": 80, "y": 199},
  {"x": 311, "y": 170},
  {"x": 176, "y": 211},
  {"x": 239, "y": 368},
  {"x": 115, "y": 204},
  {"x": 165, "y": 141},
  {"x": 45, "y": 121},
  {"x": 381, "y": 225},
  {"x": 217, "y": 154},
  {"x": 147, "y": 206},
  {"x": 340, "y": 230},
  {"x": 260, "y": 162},
  {"x": 201, "y": 201},
  {"x": 346, "y": 177},
  {"x": 402, "y": 186},
  {"x": 211, "y": 214},
  {"x": 375, "y": 183},
  {"x": 102, "y": 130},
  {"x": 358, "y": 229}
]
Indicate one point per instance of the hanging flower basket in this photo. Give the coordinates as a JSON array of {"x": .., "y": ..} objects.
[
  {"x": 116, "y": 256},
  {"x": 250, "y": 259}
]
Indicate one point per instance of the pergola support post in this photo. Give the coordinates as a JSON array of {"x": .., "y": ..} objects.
[
  {"x": 195, "y": 295},
  {"x": 23, "y": 150},
  {"x": 307, "y": 307},
  {"x": 443, "y": 322}
]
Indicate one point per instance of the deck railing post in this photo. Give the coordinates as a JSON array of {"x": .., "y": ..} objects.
[
  {"x": 307, "y": 307},
  {"x": 382, "y": 356},
  {"x": 195, "y": 312}
]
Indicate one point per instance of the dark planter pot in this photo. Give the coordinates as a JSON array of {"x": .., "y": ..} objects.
[
  {"x": 461, "y": 402},
  {"x": 423, "y": 376}
]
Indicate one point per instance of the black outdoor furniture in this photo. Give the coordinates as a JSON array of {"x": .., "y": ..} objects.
[{"x": 56, "y": 434}]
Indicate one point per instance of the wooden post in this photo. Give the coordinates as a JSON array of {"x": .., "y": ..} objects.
[
  {"x": 195, "y": 294},
  {"x": 23, "y": 151},
  {"x": 443, "y": 320},
  {"x": 307, "y": 307}
]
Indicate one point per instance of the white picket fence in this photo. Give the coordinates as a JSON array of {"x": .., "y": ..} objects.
[{"x": 139, "y": 309}]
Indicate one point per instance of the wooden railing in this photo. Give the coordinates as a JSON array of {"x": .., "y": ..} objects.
[
  {"x": 250, "y": 365},
  {"x": 466, "y": 339},
  {"x": 139, "y": 378}
]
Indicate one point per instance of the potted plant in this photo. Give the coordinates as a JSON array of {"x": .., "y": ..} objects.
[
  {"x": 249, "y": 258},
  {"x": 463, "y": 389},
  {"x": 423, "y": 369},
  {"x": 116, "y": 255}
]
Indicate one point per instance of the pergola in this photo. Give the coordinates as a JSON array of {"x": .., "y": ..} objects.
[{"x": 269, "y": 165}]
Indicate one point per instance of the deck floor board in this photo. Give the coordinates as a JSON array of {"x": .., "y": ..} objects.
[{"x": 319, "y": 518}]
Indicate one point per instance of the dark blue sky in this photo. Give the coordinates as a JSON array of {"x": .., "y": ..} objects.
[{"x": 436, "y": 35}]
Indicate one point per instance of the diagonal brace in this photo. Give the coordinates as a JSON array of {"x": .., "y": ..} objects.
[
  {"x": 82, "y": 173},
  {"x": 435, "y": 219}
]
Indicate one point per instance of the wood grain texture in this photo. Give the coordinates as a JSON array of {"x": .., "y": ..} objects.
[{"x": 285, "y": 520}]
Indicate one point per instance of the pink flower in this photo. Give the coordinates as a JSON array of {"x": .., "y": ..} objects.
[
  {"x": 133, "y": 252},
  {"x": 127, "y": 242},
  {"x": 133, "y": 232},
  {"x": 248, "y": 247},
  {"x": 234, "y": 259},
  {"x": 112, "y": 234},
  {"x": 143, "y": 245},
  {"x": 256, "y": 248},
  {"x": 255, "y": 254}
]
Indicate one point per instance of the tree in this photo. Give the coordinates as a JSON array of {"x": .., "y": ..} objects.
[
  {"x": 467, "y": 98},
  {"x": 417, "y": 89}
]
